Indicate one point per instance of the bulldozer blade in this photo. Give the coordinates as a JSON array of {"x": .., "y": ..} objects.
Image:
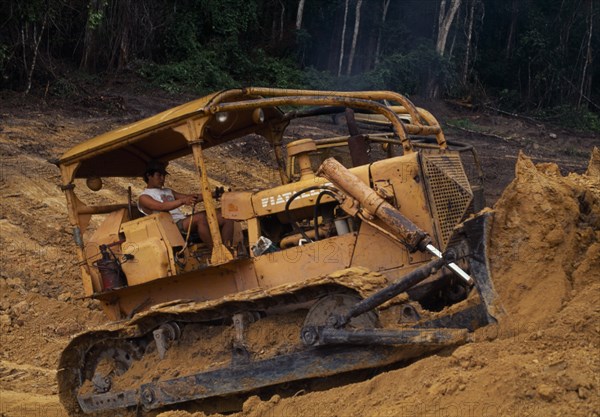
[{"x": 477, "y": 231}]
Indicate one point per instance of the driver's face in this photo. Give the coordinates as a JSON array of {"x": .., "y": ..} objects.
[{"x": 156, "y": 180}]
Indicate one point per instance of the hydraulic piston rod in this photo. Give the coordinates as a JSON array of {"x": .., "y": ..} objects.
[
  {"x": 390, "y": 291},
  {"x": 404, "y": 230}
]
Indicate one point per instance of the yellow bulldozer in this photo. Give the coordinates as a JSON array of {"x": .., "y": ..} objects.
[{"x": 370, "y": 251}]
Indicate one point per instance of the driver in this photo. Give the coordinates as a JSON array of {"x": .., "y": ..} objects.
[{"x": 156, "y": 197}]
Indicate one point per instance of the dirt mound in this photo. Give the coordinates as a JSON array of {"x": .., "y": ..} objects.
[
  {"x": 545, "y": 240},
  {"x": 542, "y": 360}
]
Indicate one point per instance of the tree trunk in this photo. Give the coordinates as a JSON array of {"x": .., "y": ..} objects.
[
  {"x": 445, "y": 19},
  {"x": 469, "y": 41},
  {"x": 274, "y": 29},
  {"x": 386, "y": 5},
  {"x": 512, "y": 29},
  {"x": 445, "y": 22},
  {"x": 585, "y": 78},
  {"x": 343, "y": 39},
  {"x": 96, "y": 15},
  {"x": 354, "y": 36},
  {"x": 281, "y": 20},
  {"x": 121, "y": 18},
  {"x": 300, "y": 14},
  {"x": 36, "y": 46}
]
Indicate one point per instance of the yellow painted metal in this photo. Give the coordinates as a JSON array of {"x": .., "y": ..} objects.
[
  {"x": 125, "y": 151},
  {"x": 254, "y": 232},
  {"x": 156, "y": 275},
  {"x": 367, "y": 95},
  {"x": 301, "y": 150},
  {"x": 66, "y": 175},
  {"x": 150, "y": 241},
  {"x": 449, "y": 192},
  {"x": 403, "y": 176},
  {"x": 135, "y": 131},
  {"x": 417, "y": 114},
  {"x": 211, "y": 283},
  {"x": 390, "y": 253},
  {"x": 300, "y": 262},
  {"x": 429, "y": 118},
  {"x": 274, "y": 199},
  {"x": 220, "y": 253},
  {"x": 237, "y": 205},
  {"x": 398, "y": 126}
]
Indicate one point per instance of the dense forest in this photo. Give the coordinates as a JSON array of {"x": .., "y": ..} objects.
[{"x": 532, "y": 56}]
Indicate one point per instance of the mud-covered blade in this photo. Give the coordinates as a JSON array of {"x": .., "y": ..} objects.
[{"x": 477, "y": 231}]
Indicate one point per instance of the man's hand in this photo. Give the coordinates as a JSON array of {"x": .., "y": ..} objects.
[{"x": 190, "y": 200}]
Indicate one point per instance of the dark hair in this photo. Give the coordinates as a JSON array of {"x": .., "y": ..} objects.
[{"x": 153, "y": 167}]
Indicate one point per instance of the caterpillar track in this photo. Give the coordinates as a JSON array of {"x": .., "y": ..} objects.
[{"x": 120, "y": 367}]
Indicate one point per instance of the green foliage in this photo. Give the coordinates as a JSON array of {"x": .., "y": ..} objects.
[
  {"x": 63, "y": 87},
  {"x": 318, "y": 80},
  {"x": 524, "y": 55},
  {"x": 590, "y": 121},
  {"x": 409, "y": 72},
  {"x": 180, "y": 40},
  {"x": 462, "y": 123},
  {"x": 572, "y": 117},
  {"x": 32, "y": 10},
  {"x": 95, "y": 17},
  {"x": 509, "y": 99},
  {"x": 272, "y": 72},
  {"x": 230, "y": 17},
  {"x": 199, "y": 74},
  {"x": 207, "y": 71},
  {"x": 543, "y": 65}
]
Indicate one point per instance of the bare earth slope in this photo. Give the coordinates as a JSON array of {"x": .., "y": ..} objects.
[{"x": 546, "y": 265}]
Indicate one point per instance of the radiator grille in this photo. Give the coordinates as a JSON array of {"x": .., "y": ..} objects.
[{"x": 449, "y": 191}]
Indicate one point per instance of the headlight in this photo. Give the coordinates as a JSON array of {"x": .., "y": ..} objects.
[
  {"x": 94, "y": 183},
  {"x": 222, "y": 116},
  {"x": 258, "y": 116}
]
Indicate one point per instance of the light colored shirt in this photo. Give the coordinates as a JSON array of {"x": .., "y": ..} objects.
[{"x": 163, "y": 195}]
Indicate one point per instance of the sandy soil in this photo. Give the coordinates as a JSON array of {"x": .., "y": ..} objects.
[{"x": 541, "y": 361}]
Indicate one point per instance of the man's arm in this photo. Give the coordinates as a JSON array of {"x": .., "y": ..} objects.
[
  {"x": 181, "y": 196},
  {"x": 150, "y": 203}
]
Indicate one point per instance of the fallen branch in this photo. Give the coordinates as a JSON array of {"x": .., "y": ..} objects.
[
  {"x": 519, "y": 116},
  {"x": 477, "y": 132}
]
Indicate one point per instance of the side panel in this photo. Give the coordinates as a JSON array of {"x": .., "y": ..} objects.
[
  {"x": 150, "y": 241},
  {"x": 378, "y": 252},
  {"x": 402, "y": 178},
  {"x": 302, "y": 262},
  {"x": 200, "y": 285}
]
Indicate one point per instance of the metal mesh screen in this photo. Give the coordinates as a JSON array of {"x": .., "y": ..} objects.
[{"x": 449, "y": 191}]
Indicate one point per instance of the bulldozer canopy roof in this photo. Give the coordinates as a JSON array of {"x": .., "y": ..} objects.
[
  {"x": 221, "y": 117},
  {"x": 124, "y": 152}
]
